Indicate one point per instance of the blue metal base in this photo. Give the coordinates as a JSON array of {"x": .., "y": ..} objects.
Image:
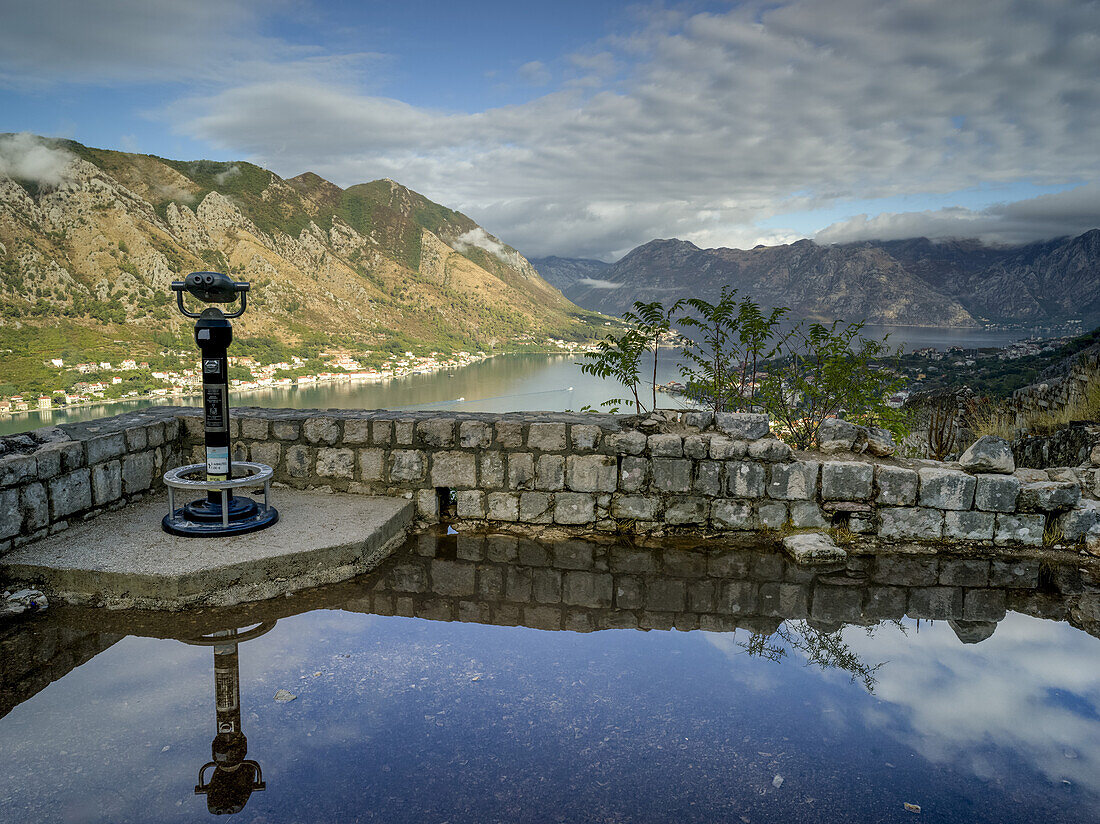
[{"x": 203, "y": 518}]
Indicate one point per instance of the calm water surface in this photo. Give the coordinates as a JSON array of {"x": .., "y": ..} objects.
[{"x": 468, "y": 706}]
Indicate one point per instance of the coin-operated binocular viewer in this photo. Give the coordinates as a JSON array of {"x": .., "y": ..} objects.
[{"x": 220, "y": 512}]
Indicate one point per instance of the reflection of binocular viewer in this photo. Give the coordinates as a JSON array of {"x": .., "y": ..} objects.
[{"x": 211, "y": 287}]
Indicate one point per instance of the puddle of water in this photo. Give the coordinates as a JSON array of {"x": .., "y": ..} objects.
[{"x": 431, "y": 690}]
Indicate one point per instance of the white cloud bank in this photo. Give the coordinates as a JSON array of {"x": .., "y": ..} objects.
[
  {"x": 694, "y": 125},
  {"x": 25, "y": 157}
]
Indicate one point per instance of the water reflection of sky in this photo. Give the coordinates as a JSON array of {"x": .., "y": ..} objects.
[{"x": 412, "y": 720}]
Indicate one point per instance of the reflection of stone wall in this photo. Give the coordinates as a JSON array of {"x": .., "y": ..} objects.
[
  {"x": 33, "y": 657},
  {"x": 585, "y": 586}
]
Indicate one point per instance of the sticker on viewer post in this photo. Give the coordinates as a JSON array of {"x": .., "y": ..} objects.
[{"x": 217, "y": 460}]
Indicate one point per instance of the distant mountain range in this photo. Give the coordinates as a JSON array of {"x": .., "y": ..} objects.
[
  {"x": 905, "y": 282},
  {"x": 90, "y": 240}
]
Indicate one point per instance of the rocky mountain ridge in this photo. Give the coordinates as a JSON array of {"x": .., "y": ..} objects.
[{"x": 905, "y": 282}]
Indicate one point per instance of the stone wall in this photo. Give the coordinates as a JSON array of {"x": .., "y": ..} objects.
[
  {"x": 1056, "y": 394},
  {"x": 668, "y": 472},
  {"x": 665, "y": 473},
  {"x": 57, "y": 476},
  {"x": 1076, "y": 444}
]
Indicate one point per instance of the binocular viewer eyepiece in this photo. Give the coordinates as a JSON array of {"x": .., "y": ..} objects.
[{"x": 211, "y": 287}]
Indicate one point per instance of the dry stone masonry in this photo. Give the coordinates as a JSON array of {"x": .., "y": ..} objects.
[{"x": 665, "y": 473}]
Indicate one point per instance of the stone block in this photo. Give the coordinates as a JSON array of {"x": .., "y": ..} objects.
[
  {"x": 70, "y": 493},
  {"x": 737, "y": 597},
  {"x": 996, "y": 493},
  {"x": 634, "y": 507},
  {"x": 895, "y": 485},
  {"x": 793, "y": 481},
  {"x": 550, "y": 472},
  {"x": 672, "y": 474},
  {"x": 1048, "y": 497},
  {"x": 436, "y": 432},
  {"x": 771, "y": 450},
  {"x": 708, "y": 478},
  {"x": 837, "y": 604},
  {"x": 836, "y": 435},
  {"x": 847, "y": 480},
  {"x": 572, "y": 508},
  {"x": 33, "y": 512},
  {"x": 509, "y": 434},
  {"x": 630, "y": 442},
  {"x": 491, "y": 469},
  {"x": 285, "y": 430},
  {"x": 964, "y": 572},
  {"x": 105, "y": 447},
  {"x": 666, "y": 446},
  {"x": 591, "y": 473},
  {"x": 813, "y": 548},
  {"x": 946, "y": 488},
  {"x": 585, "y": 437},
  {"x": 745, "y": 479},
  {"x": 633, "y": 473},
  {"x": 686, "y": 511},
  {"x": 335, "y": 463},
  {"x": 968, "y": 526},
  {"x": 321, "y": 430},
  {"x": 407, "y": 466},
  {"x": 381, "y": 433},
  {"x": 880, "y": 442},
  {"x": 807, "y": 515},
  {"x": 700, "y": 419},
  {"x": 16, "y": 469},
  {"x": 52, "y": 459},
  {"x": 984, "y": 605},
  {"x": 696, "y": 446},
  {"x": 502, "y": 506},
  {"x": 587, "y": 589},
  {"x": 546, "y": 437},
  {"x": 11, "y": 516},
  {"x": 106, "y": 482},
  {"x": 723, "y": 448},
  {"x": 427, "y": 505},
  {"x": 453, "y": 577},
  {"x": 137, "y": 438},
  {"x": 988, "y": 454},
  {"x": 940, "y": 603},
  {"x": 475, "y": 434},
  {"x": 1075, "y": 523},
  {"x": 356, "y": 432},
  {"x": 256, "y": 429},
  {"x": 535, "y": 508},
  {"x": 910, "y": 522},
  {"x": 457, "y": 470},
  {"x": 266, "y": 452},
  {"x": 1014, "y": 574},
  {"x": 137, "y": 472},
  {"x": 470, "y": 503},
  {"x": 372, "y": 464},
  {"x": 748, "y": 426},
  {"x": 771, "y": 515},
  {"x": 663, "y": 595},
  {"x": 521, "y": 470},
  {"x": 1026, "y": 530},
  {"x": 403, "y": 432},
  {"x": 727, "y": 514}
]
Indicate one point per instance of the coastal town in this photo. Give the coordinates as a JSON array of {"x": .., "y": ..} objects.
[{"x": 105, "y": 382}]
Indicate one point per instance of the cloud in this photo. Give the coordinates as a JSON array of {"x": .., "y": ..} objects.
[
  {"x": 26, "y": 157},
  {"x": 221, "y": 177},
  {"x": 535, "y": 73},
  {"x": 596, "y": 283},
  {"x": 1064, "y": 213},
  {"x": 481, "y": 239}
]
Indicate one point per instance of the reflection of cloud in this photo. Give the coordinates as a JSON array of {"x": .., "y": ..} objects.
[{"x": 958, "y": 700}]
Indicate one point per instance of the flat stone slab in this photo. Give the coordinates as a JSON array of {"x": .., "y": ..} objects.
[
  {"x": 813, "y": 548},
  {"x": 124, "y": 559}
]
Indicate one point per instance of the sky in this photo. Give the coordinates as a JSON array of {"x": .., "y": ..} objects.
[{"x": 583, "y": 127}]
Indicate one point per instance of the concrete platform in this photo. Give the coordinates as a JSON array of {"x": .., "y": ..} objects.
[{"x": 124, "y": 560}]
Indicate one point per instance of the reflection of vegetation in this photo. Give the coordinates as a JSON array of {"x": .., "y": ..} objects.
[{"x": 825, "y": 650}]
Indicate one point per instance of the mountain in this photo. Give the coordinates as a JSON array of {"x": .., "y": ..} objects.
[
  {"x": 563, "y": 273},
  {"x": 905, "y": 282},
  {"x": 90, "y": 240}
]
